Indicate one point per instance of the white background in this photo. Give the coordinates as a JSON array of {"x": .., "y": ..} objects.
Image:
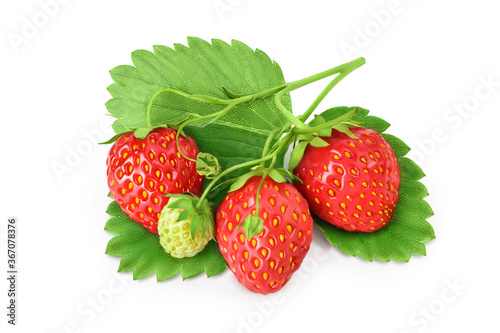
[{"x": 425, "y": 61}]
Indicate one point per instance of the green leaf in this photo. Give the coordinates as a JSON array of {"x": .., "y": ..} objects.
[
  {"x": 400, "y": 148},
  {"x": 200, "y": 68},
  {"x": 143, "y": 255},
  {"x": 408, "y": 229}
]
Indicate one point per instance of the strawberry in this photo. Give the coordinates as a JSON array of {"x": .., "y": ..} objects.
[
  {"x": 351, "y": 183},
  {"x": 141, "y": 172},
  {"x": 265, "y": 262},
  {"x": 176, "y": 233}
]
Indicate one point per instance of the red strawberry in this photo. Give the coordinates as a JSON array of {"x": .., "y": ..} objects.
[
  {"x": 141, "y": 172},
  {"x": 264, "y": 263},
  {"x": 352, "y": 183}
]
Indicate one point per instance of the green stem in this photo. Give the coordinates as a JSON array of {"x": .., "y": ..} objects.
[
  {"x": 347, "y": 67},
  {"x": 322, "y": 96},
  {"x": 222, "y": 113},
  {"x": 214, "y": 115},
  {"x": 327, "y": 124},
  {"x": 229, "y": 170},
  {"x": 260, "y": 185},
  {"x": 343, "y": 70},
  {"x": 268, "y": 141},
  {"x": 279, "y": 90},
  {"x": 196, "y": 98},
  {"x": 286, "y": 113},
  {"x": 285, "y": 142}
]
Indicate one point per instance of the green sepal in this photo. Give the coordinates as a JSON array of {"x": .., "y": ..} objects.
[
  {"x": 344, "y": 128},
  {"x": 319, "y": 119},
  {"x": 240, "y": 181},
  {"x": 304, "y": 137},
  {"x": 186, "y": 213},
  {"x": 318, "y": 142},
  {"x": 113, "y": 139},
  {"x": 206, "y": 222},
  {"x": 276, "y": 175},
  {"x": 182, "y": 203},
  {"x": 253, "y": 225},
  {"x": 142, "y": 133},
  {"x": 327, "y": 132},
  {"x": 289, "y": 174},
  {"x": 296, "y": 155},
  {"x": 196, "y": 223},
  {"x": 208, "y": 165},
  {"x": 202, "y": 216}
]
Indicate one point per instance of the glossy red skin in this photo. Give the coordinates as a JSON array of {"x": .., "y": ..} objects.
[
  {"x": 139, "y": 181},
  {"x": 352, "y": 183},
  {"x": 280, "y": 203}
]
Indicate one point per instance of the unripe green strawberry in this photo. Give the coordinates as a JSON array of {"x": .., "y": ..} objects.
[{"x": 175, "y": 228}]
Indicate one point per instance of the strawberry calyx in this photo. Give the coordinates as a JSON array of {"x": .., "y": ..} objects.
[
  {"x": 321, "y": 129},
  {"x": 208, "y": 165},
  {"x": 254, "y": 224},
  {"x": 200, "y": 212},
  {"x": 276, "y": 174}
]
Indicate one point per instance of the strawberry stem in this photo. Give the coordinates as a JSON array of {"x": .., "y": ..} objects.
[
  {"x": 215, "y": 115},
  {"x": 286, "y": 113},
  {"x": 343, "y": 70},
  {"x": 329, "y": 124},
  {"x": 270, "y": 138},
  {"x": 262, "y": 182},
  {"x": 284, "y": 142},
  {"x": 196, "y": 98},
  {"x": 278, "y": 91}
]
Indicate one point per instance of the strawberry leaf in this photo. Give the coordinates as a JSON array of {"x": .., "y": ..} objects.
[
  {"x": 408, "y": 229},
  {"x": 143, "y": 254},
  {"x": 201, "y": 68}
]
